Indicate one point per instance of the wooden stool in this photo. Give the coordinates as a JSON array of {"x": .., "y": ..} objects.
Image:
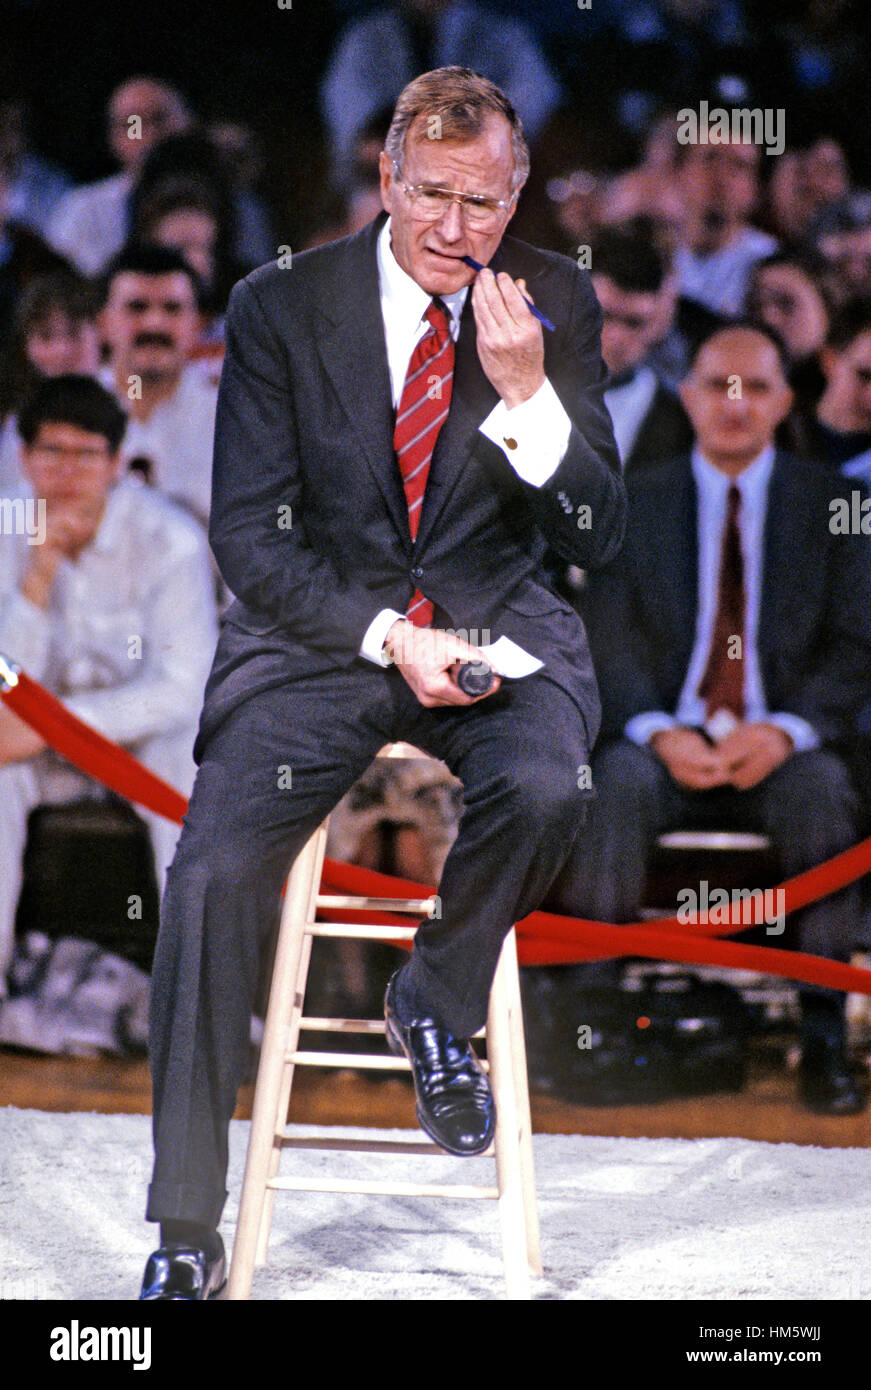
[{"x": 512, "y": 1146}]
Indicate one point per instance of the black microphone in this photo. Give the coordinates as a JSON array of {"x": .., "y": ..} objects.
[{"x": 475, "y": 678}]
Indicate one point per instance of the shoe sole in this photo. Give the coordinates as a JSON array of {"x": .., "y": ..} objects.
[
  {"x": 220, "y": 1293},
  {"x": 397, "y": 1047}
]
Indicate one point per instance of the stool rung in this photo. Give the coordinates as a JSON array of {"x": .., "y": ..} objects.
[
  {"x": 363, "y": 931},
  {"x": 337, "y": 902},
  {"x": 355, "y": 1060},
  {"x": 386, "y": 1189},
  {"x": 348, "y": 1059},
  {"x": 354, "y": 1025},
  {"x": 369, "y": 1146},
  {"x": 343, "y": 1025}
]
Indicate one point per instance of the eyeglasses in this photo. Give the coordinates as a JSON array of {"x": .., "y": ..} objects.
[
  {"x": 429, "y": 203},
  {"x": 55, "y": 455}
]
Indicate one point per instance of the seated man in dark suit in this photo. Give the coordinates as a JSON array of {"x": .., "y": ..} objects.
[
  {"x": 630, "y": 277},
  {"x": 838, "y": 429},
  {"x": 396, "y": 448},
  {"x": 732, "y": 643}
]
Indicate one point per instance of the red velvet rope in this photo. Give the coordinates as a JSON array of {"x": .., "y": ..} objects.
[
  {"x": 543, "y": 938},
  {"x": 90, "y": 751}
]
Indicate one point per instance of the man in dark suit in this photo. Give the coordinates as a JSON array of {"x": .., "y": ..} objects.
[
  {"x": 636, "y": 295},
  {"x": 837, "y": 429},
  {"x": 395, "y": 452},
  {"x": 732, "y": 642}
]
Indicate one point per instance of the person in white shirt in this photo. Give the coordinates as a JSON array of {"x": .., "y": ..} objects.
[
  {"x": 54, "y": 332},
  {"x": 150, "y": 321},
  {"x": 380, "y": 51},
  {"x": 89, "y": 224},
  {"x": 719, "y": 247},
  {"x": 106, "y": 599}
]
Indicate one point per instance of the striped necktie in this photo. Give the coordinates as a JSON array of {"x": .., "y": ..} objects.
[
  {"x": 722, "y": 685},
  {"x": 423, "y": 409}
]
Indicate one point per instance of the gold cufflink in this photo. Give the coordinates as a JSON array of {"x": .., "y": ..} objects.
[{"x": 510, "y": 443}]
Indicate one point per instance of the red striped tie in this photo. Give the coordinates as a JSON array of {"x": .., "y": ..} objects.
[
  {"x": 423, "y": 409},
  {"x": 722, "y": 685}
]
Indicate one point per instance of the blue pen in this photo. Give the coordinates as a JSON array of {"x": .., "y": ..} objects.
[{"x": 476, "y": 265}]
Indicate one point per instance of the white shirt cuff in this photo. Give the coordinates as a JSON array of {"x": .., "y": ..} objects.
[
  {"x": 642, "y": 727},
  {"x": 533, "y": 436},
  {"x": 376, "y": 633},
  {"x": 804, "y": 736}
]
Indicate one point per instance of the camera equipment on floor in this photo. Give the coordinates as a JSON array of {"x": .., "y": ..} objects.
[{"x": 644, "y": 1038}]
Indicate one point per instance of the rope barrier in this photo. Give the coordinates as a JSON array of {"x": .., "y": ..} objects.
[{"x": 543, "y": 938}]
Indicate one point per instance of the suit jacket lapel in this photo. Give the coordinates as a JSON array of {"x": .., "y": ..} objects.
[
  {"x": 790, "y": 539},
  {"x": 353, "y": 350}
]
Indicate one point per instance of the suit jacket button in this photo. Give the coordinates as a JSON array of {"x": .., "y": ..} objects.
[{"x": 417, "y": 572}]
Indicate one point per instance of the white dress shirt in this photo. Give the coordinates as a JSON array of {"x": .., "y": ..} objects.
[
  {"x": 628, "y": 406},
  {"x": 12, "y": 480},
  {"x": 859, "y": 467},
  {"x": 718, "y": 279},
  {"x": 89, "y": 223},
  {"x": 146, "y": 575},
  {"x": 713, "y": 489},
  {"x": 177, "y": 437},
  {"x": 539, "y": 426}
]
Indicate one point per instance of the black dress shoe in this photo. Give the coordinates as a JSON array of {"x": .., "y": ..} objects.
[
  {"x": 827, "y": 1084},
  {"x": 454, "y": 1101},
  {"x": 184, "y": 1273}
]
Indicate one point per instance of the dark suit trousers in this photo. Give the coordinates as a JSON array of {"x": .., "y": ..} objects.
[
  {"x": 806, "y": 806},
  {"x": 517, "y": 754}
]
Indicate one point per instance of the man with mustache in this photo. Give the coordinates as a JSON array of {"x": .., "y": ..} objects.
[{"x": 150, "y": 320}]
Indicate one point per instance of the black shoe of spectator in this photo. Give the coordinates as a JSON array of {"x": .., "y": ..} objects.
[{"x": 827, "y": 1084}]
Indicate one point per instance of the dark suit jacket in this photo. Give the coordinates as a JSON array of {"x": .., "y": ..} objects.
[
  {"x": 665, "y": 431},
  {"x": 305, "y": 420},
  {"x": 815, "y": 608}
]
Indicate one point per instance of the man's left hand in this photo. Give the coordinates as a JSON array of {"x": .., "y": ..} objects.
[
  {"x": 753, "y": 751},
  {"x": 510, "y": 340}
]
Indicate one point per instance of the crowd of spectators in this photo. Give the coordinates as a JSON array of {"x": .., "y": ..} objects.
[{"x": 703, "y": 255}]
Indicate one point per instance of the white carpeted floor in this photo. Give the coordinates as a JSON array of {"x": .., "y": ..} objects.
[{"x": 621, "y": 1218}]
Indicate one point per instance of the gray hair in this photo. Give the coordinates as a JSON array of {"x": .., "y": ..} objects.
[{"x": 460, "y": 99}]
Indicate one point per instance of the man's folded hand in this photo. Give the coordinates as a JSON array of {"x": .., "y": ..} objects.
[{"x": 691, "y": 760}]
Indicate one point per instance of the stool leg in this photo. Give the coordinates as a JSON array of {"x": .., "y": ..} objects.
[
  {"x": 509, "y": 1168},
  {"x": 297, "y": 998},
  {"x": 284, "y": 1098},
  {"x": 521, "y": 1085},
  {"x": 270, "y": 1073}
]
